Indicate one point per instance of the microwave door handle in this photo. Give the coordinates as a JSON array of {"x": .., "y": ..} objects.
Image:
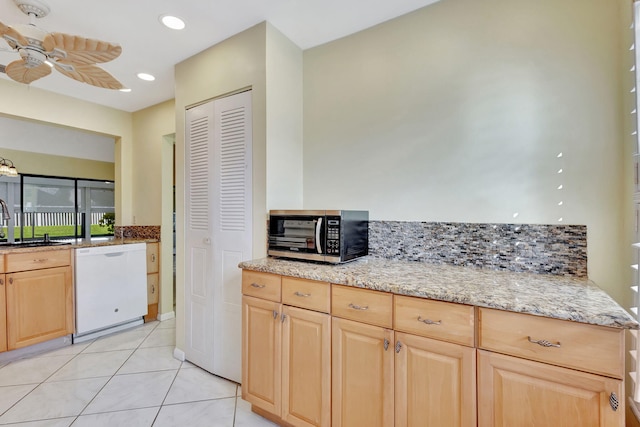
[{"x": 318, "y": 241}]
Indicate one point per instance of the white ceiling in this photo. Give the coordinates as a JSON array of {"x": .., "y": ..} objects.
[{"x": 150, "y": 47}]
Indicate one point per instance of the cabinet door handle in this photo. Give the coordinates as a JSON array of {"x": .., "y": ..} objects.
[
  {"x": 386, "y": 344},
  {"x": 300, "y": 294},
  {"x": 1, "y": 282},
  {"x": 153, "y": 289},
  {"x": 613, "y": 401},
  {"x": 153, "y": 257},
  {"x": 11, "y": 280},
  {"x": 282, "y": 317},
  {"x": 275, "y": 314},
  {"x": 398, "y": 346},
  {"x": 544, "y": 343},
  {"x": 358, "y": 307},
  {"x": 429, "y": 322},
  {"x": 255, "y": 285}
]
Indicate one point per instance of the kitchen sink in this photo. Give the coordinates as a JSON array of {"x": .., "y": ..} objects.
[{"x": 32, "y": 244}]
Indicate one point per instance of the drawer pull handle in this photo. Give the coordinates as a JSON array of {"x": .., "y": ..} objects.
[
  {"x": 358, "y": 307},
  {"x": 544, "y": 343},
  {"x": 41, "y": 260},
  {"x": 255, "y": 285},
  {"x": 300, "y": 294},
  {"x": 429, "y": 321}
]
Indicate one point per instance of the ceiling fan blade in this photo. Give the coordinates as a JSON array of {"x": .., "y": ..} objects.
[
  {"x": 80, "y": 50},
  {"x": 12, "y": 36},
  {"x": 18, "y": 71},
  {"x": 90, "y": 74}
]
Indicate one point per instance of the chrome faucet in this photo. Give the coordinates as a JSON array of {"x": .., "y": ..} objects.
[{"x": 5, "y": 211}]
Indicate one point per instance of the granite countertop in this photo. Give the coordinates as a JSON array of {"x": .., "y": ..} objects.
[
  {"x": 74, "y": 243},
  {"x": 558, "y": 297}
]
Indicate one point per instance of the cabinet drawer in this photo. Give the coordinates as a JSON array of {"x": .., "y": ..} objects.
[
  {"x": 152, "y": 288},
  {"x": 575, "y": 345},
  {"x": 362, "y": 305},
  {"x": 435, "y": 319},
  {"x": 153, "y": 260},
  {"x": 22, "y": 261},
  {"x": 261, "y": 285},
  {"x": 304, "y": 293}
]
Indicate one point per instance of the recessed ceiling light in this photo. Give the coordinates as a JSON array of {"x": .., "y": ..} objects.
[
  {"x": 145, "y": 76},
  {"x": 172, "y": 22},
  {"x": 125, "y": 89}
]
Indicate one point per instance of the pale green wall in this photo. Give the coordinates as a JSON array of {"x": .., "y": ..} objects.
[
  {"x": 284, "y": 121},
  {"x": 48, "y": 164},
  {"x": 457, "y": 112},
  {"x": 152, "y": 192},
  {"x": 150, "y": 126},
  {"x": 262, "y": 59},
  {"x": 234, "y": 64},
  {"x": 26, "y": 102}
]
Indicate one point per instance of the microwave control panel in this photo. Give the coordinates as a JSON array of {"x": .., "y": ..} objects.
[{"x": 333, "y": 235}]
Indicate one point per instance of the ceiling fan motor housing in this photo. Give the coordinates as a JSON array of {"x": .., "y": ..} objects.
[
  {"x": 32, "y": 58},
  {"x": 33, "y": 7}
]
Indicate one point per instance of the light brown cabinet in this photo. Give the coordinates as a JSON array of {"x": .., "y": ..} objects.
[
  {"x": 362, "y": 374},
  {"x": 306, "y": 367},
  {"x": 286, "y": 351},
  {"x": 3, "y": 314},
  {"x": 261, "y": 355},
  {"x": 410, "y": 375},
  {"x": 585, "y": 388},
  {"x": 518, "y": 392},
  {"x": 37, "y": 290},
  {"x": 153, "y": 281},
  {"x": 434, "y": 383},
  {"x": 435, "y": 371},
  {"x": 408, "y": 361}
]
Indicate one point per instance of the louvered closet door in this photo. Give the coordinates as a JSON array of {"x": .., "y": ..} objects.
[
  {"x": 218, "y": 236},
  {"x": 231, "y": 228}
]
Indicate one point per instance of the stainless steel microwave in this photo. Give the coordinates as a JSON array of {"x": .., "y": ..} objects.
[{"x": 316, "y": 235}]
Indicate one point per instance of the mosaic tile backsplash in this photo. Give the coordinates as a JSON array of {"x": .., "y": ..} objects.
[
  {"x": 137, "y": 232},
  {"x": 532, "y": 248}
]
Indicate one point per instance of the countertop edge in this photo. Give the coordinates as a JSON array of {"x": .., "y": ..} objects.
[{"x": 515, "y": 292}]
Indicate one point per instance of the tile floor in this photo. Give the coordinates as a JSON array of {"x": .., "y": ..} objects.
[{"x": 126, "y": 379}]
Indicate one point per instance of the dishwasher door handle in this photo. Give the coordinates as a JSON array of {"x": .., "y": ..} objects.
[{"x": 114, "y": 254}]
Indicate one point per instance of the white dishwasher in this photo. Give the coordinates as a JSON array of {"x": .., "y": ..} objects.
[{"x": 111, "y": 288}]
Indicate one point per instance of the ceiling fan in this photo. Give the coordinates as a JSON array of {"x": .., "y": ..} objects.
[{"x": 40, "y": 51}]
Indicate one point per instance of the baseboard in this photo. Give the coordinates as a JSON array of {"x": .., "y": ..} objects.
[
  {"x": 35, "y": 349},
  {"x": 179, "y": 354},
  {"x": 166, "y": 316},
  {"x": 107, "y": 331}
]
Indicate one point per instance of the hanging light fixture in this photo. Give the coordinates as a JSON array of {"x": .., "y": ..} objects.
[{"x": 7, "y": 168}]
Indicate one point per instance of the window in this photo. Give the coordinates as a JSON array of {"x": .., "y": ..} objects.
[{"x": 57, "y": 206}]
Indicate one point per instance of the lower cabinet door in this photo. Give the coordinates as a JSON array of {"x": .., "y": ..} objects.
[
  {"x": 3, "y": 314},
  {"x": 261, "y": 354},
  {"x": 306, "y": 368},
  {"x": 39, "y": 306},
  {"x": 435, "y": 383},
  {"x": 518, "y": 392},
  {"x": 362, "y": 375}
]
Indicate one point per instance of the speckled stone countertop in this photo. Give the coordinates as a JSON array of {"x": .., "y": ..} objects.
[
  {"x": 558, "y": 297},
  {"x": 72, "y": 244}
]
